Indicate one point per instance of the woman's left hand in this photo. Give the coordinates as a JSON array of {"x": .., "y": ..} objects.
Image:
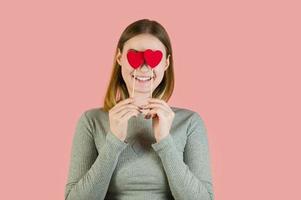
[{"x": 162, "y": 116}]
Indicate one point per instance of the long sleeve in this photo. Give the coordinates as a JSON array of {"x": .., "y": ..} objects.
[
  {"x": 90, "y": 171},
  {"x": 189, "y": 176}
]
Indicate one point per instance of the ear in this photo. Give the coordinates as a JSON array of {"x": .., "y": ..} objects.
[
  {"x": 167, "y": 62},
  {"x": 118, "y": 56}
]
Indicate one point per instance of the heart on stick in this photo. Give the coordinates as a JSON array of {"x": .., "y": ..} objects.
[
  {"x": 137, "y": 58},
  {"x": 152, "y": 58}
]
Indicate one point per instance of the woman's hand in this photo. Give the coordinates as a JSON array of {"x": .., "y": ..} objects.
[
  {"x": 119, "y": 116},
  {"x": 162, "y": 116}
]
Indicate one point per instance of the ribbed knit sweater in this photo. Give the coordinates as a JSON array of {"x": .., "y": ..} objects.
[{"x": 104, "y": 167}]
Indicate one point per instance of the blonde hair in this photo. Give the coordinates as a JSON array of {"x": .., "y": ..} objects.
[{"x": 117, "y": 89}]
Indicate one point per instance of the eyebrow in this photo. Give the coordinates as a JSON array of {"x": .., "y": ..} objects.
[
  {"x": 144, "y": 50},
  {"x": 133, "y": 49}
]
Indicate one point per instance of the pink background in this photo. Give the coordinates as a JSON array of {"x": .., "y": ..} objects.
[{"x": 237, "y": 64}]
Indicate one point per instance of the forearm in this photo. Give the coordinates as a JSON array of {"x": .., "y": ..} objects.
[
  {"x": 183, "y": 183},
  {"x": 94, "y": 184}
]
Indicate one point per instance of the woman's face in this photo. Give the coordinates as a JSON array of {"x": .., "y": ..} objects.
[{"x": 141, "y": 43}]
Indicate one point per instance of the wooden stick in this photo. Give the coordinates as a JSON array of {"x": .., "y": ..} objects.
[
  {"x": 133, "y": 89},
  {"x": 151, "y": 92}
]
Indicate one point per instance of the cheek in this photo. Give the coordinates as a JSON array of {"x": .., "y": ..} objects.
[
  {"x": 124, "y": 62},
  {"x": 159, "y": 74},
  {"x": 127, "y": 68},
  {"x": 159, "y": 70},
  {"x": 126, "y": 73}
]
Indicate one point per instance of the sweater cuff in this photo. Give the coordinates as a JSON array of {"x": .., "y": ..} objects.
[
  {"x": 115, "y": 143},
  {"x": 164, "y": 144}
]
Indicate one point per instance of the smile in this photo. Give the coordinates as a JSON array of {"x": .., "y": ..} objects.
[{"x": 143, "y": 78}]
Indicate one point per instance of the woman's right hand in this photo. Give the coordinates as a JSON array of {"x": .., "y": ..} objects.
[{"x": 119, "y": 116}]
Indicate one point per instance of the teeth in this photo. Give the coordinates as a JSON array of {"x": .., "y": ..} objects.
[{"x": 143, "y": 78}]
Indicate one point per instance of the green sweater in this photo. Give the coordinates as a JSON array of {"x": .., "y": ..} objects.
[{"x": 104, "y": 167}]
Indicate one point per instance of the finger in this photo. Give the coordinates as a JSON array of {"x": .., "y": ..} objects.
[
  {"x": 154, "y": 100},
  {"x": 125, "y": 111},
  {"x": 121, "y": 103},
  {"x": 157, "y": 111},
  {"x": 127, "y": 106},
  {"x": 128, "y": 115},
  {"x": 157, "y": 105}
]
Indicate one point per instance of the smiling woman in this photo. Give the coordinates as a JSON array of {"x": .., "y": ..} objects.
[
  {"x": 143, "y": 44},
  {"x": 148, "y": 57},
  {"x": 161, "y": 153},
  {"x": 137, "y": 58}
]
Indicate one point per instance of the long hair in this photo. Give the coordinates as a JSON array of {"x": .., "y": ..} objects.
[{"x": 117, "y": 89}]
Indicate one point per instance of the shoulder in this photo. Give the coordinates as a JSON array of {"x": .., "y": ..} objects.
[
  {"x": 181, "y": 110},
  {"x": 191, "y": 118},
  {"x": 94, "y": 112},
  {"x": 93, "y": 116},
  {"x": 185, "y": 113}
]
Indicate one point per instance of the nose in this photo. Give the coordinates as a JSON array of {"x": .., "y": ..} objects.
[{"x": 144, "y": 68}]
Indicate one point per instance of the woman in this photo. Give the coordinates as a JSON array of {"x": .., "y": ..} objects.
[{"x": 137, "y": 146}]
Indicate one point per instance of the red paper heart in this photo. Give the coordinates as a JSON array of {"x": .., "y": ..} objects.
[
  {"x": 135, "y": 58},
  {"x": 152, "y": 58}
]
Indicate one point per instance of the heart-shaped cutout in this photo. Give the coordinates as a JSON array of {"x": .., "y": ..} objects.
[
  {"x": 135, "y": 58},
  {"x": 152, "y": 58}
]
